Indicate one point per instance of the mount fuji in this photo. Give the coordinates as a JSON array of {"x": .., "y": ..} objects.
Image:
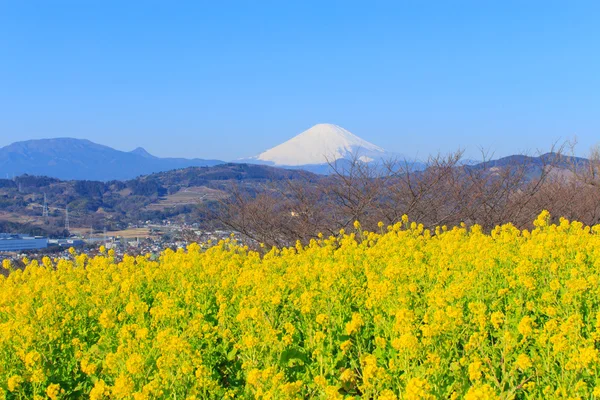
[{"x": 317, "y": 147}]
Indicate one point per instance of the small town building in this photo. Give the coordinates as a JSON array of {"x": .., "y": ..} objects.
[{"x": 16, "y": 242}]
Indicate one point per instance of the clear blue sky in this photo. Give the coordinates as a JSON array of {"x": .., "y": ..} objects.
[{"x": 223, "y": 79}]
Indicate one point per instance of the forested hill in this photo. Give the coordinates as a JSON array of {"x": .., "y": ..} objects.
[
  {"x": 191, "y": 194},
  {"x": 175, "y": 194}
]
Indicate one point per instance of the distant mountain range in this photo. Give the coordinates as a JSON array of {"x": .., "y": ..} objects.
[
  {"x": 314, "y": 150},
  {"x": 67, "y": 158}
]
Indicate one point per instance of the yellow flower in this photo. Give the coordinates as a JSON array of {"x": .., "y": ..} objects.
[
  {"x": 141, "y": 333},
  {"x": 332, "y": 393},
  {"x": 37, "y": 376},
  {"x": 99, "y": 391},
  {"x": 526, "y": 326},
  {"x": 426, "y": 307},
  {"x": 107, "y": 319},
  {"x": 417, "y": 389},
  {"x": 319, "y": 336},
  {"x": 497, "y": 319},
  {"x": 523, "y": 362},
  {"x": 14, "y": 382},
  {"x": 53, "y": 390},
  {"x": 347, "y": 375},
  {"x": 475, "y": 370},
  {"x": 345, "y": 346},
  {"x": 407, "y": 342},
  {"x": 87, "y": 367},
  {"x": 483, "y": 392},
  {"x": 542, "y": 219},
  {"x": 32, "y": 358},
  {"x": 135, "y": 364},
  {"x": 320, "y": 381},
  {"x": 588, "y": 355},
  {"x": 291, "y": 389},
  {"x": 321, "y": 319},
  {"x": 253, "y": 377},
  {"x": 123, "y": 387},
  {"x": 387, "y": 395},
  {"x": 354, "y": 324}
]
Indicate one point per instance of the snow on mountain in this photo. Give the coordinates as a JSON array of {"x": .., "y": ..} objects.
[{"x": 321, "y": 144}]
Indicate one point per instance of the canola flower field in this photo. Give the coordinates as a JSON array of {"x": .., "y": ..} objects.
[{"x": 404, "y": 313}]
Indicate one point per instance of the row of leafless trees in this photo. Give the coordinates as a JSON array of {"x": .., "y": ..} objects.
[{"x": 447, "y": 192}]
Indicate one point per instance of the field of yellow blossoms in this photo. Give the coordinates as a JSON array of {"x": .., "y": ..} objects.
[{"x": 404, "y": 313}]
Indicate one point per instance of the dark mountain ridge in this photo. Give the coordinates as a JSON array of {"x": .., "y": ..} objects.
[
  {"x": 174, "y": 195},
  {"x": 182, "y": 194},
  {"x": 555, "y": 159}
]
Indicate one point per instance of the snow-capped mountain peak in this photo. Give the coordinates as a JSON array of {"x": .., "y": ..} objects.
[{"x": 321, "y": 144}]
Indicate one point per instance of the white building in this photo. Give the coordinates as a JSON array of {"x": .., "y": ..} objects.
[{"x": 10, "y": 242}]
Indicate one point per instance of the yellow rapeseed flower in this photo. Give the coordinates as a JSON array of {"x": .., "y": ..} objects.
[
  {"x": 397, "y": 313},
  {"x": 53, "y": 390}
]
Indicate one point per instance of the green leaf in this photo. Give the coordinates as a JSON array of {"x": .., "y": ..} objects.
[
  {"x": 290, "y": 355},
  {"x": 231, "y": 355}
]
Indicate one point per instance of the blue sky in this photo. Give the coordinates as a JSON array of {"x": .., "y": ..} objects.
[{"x": 225, "y": 79}]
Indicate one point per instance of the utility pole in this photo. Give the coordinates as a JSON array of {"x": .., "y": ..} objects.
[
  {"x": 67, "y": 227},
  {"x": 45, "y": 211}
]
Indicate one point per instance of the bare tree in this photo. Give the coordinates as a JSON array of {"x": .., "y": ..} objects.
[
  {"x": 425, "y": 195},
  {"x": 353, "y": 191},
  {"x": 445, "y": 191}
]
